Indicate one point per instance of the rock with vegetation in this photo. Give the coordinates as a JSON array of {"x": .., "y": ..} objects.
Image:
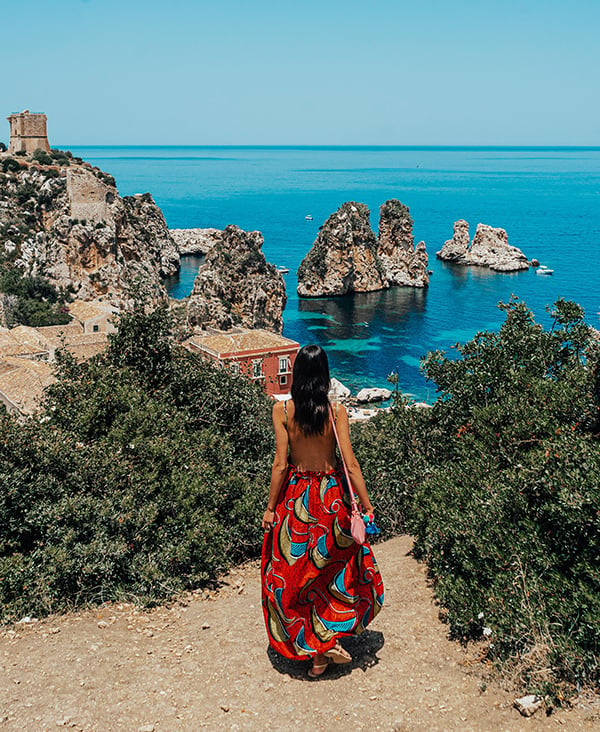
[
  {"x": 404, "y": 264},
  {"x": 489, "y": 248},
  {"x": 347, "y": 257},
  {"x": 63, "y": 220},
  {"x": 237, "y": 286}
]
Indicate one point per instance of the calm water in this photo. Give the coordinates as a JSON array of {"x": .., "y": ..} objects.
[{"x": 548, "y": 200}]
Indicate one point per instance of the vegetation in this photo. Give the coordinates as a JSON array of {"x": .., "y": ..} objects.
[
  {"x": 147, "y": 475},
  {"x": 34, "y": 302},
  {"x": 43, "y": 157},
  {"x": 10, "y": 165},
  {"x": 148, "y": 471},
  {"x": 500, "y": 484}
]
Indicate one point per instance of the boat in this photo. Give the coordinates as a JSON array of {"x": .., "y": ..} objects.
[
  {"x": 543, "y": 270},
  {"x": 283, "y": 270},
  {"x": 308, "y": 217}
]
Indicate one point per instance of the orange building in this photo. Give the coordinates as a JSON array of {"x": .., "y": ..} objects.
[{"x": 259, "y": 354}]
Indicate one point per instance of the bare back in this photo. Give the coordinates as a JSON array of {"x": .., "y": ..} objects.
[{"x": 309, "y": 452}]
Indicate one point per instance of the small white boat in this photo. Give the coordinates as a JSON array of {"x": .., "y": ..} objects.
[
  {"x": 308, "y": 217},
  {"x": 543, "y": 270},
  {"x": 283, "y": 270}
]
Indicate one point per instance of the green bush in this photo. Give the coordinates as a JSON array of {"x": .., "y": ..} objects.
[
  {"x": 38, "y": 302},
  {"x": 502, "y": 494},
  {"x": 147, "y": 475},
  {"x": 10, "y": 165},
  {"x": 42, "y": 157},
  {"x": 61, "y": 157}
]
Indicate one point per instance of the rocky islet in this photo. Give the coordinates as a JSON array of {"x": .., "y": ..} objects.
[
  {"x": 348, "y": 257},
  {"x": 489, "y": 248}
]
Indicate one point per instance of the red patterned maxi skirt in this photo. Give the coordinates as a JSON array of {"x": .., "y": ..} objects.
[{"x": 317, "y": 582}]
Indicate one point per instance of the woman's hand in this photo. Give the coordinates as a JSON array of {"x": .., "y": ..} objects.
[{"x": 268, "y": 518}]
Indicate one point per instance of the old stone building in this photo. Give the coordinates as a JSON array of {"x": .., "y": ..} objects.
[{"x": 28, "y": 132}]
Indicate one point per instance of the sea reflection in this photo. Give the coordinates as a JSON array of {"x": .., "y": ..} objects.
[
  {"x": 365, "y": 333},
  {"x": 348, "y": 316}
]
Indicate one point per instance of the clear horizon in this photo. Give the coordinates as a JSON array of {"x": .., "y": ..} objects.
[{"x": 398, "y": 73}]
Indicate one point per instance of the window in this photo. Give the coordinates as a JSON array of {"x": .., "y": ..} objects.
[
  {"x": 234, "y": 368},
  {"x": 96, "y": 328},
  {"x": 283, "y": 365},
  {"x": 283, "y": 379},
  {"x": 257, "y": 368}
]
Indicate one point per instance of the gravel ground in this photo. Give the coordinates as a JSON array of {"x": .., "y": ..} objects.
[{"x": 204, "y": 663}]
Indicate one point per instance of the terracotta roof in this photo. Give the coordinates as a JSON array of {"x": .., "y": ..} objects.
[
  {"x": 54, "y": 332},
  {"x": 86, "y": 345},
  {"x": 89, "y": 310},
  {"x": 226, "y": 343},
  {"x": 22, "y": 341},
  {"x": 22, "y": 382}
]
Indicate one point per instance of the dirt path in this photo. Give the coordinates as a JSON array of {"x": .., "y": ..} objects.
[{"x": 205, "y": 665}]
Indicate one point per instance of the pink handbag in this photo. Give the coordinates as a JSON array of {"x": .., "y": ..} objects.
[{"x": 357, "y": 525}]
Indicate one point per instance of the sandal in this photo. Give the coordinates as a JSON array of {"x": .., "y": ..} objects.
[
  {"x": 338, "y": 654},
  {"x": 318, "y": 669}
]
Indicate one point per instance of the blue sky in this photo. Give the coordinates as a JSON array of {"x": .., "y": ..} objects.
[{"x": 384, "y": 72}]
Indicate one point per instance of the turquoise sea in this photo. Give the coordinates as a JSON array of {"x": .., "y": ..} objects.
[{"x": 548, "y": 200}]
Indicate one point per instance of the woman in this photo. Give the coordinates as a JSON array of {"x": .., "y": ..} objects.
[{"x": 317, "y": 583}]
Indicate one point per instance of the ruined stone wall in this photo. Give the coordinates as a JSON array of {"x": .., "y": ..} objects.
[
  {"x": 28, "y": 133},
  {"x": 87, "y": 196}
]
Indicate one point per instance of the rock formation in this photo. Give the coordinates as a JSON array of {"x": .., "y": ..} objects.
[
  {"x": 490, "y": 248},
  {"x": 195, "y": 241},
  {"x": 347, "y": 257},
  {"x": 343, "y": 257},
  {"x": 236, "y": 285},
  {"x": 403, "y": 263},
  {"x": 64, "y": 220}
]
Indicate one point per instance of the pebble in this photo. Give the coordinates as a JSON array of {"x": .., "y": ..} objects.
[
  {"x": 528, "y": 705},
  {"x": 102, "y": 624},
  {"x": 146, "y": 728}
]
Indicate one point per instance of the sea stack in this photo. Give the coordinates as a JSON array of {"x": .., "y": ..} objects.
[
  {"x": 404, "y": 264},
  {"x": 237, "y": 286},
  {"x": 489, "y": 248},
  {"x": 347, "y": 257},
  {"x": 343, "y": 258}
]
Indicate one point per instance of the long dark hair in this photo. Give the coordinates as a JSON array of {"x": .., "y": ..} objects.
[{"x": 310, "y": 388}]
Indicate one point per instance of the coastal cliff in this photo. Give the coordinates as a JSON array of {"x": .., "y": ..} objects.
[
  {"x": 489, "y": 248},
  {"x": 347, "y": 257},
  {"x": 237, "y": 286},
  {"x": 64, "y": 220}
]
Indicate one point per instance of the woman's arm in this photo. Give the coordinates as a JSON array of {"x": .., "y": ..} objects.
[
  {"x": 280, "y": 465},
  {"x": 354, "y": 471}
]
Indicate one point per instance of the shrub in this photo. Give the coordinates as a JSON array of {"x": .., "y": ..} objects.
[
  {"x": 42, "y": 157},
  {"x": 500, "y": 484},
  {"x": 507, "y": 519},
  {"x": 10, "y": 165},
  {"x": 148, "y": 476},
  {"x": 37, "y": 302}
]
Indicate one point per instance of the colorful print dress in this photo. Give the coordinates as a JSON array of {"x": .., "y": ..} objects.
[{"x": 317, "y": 582}]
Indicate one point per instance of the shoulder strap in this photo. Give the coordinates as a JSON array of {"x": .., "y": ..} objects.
[
  {"x": 285, "y": 412},
  {"x": 337, "y": 439}
]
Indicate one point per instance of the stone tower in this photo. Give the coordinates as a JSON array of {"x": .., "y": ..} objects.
[{"x": 28, "y": 132}]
